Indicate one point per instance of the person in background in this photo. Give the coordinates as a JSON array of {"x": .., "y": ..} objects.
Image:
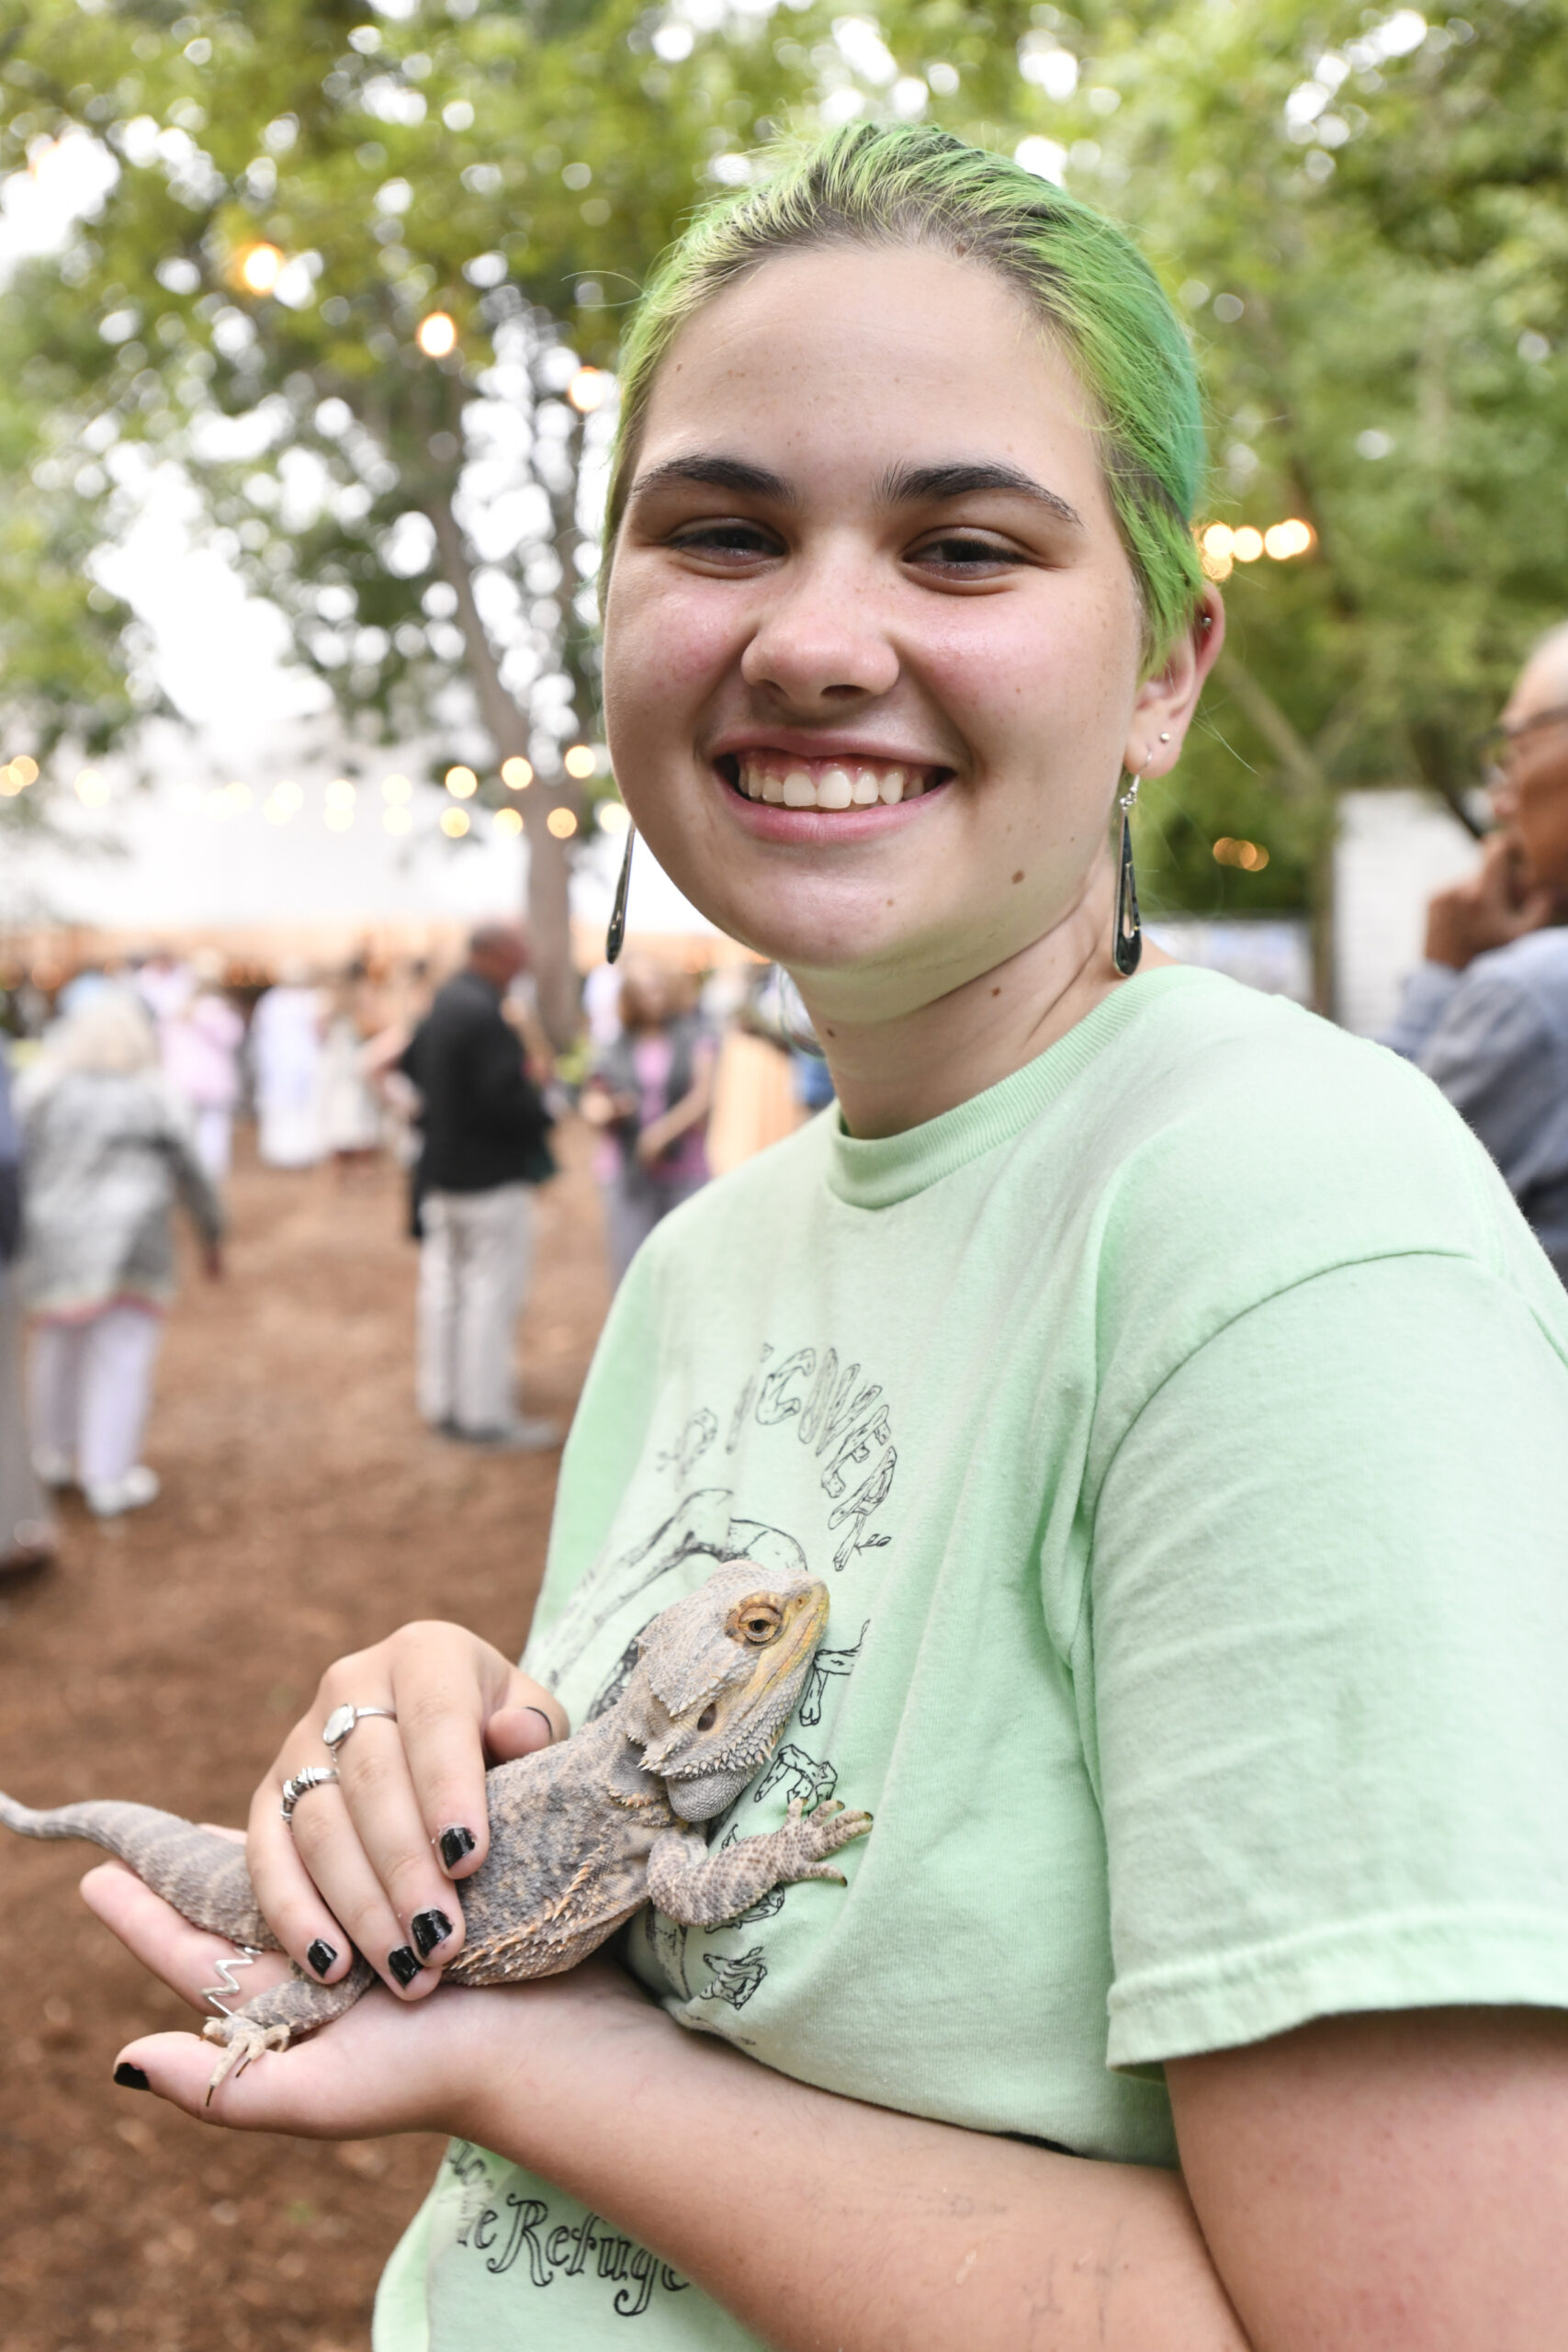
[
  {"x": 650, "y": 1094},
  {"x": 285, "y": 1055},
  {"x": 26, "y": 1533},
  {"x": 201, "y": 1040},
  {"x": 351, "y": 1114},
  {"x": 1486, "y": 1015},
  {"x": 484, "y": 1125},
  {"x": 107, "y": 1150}
]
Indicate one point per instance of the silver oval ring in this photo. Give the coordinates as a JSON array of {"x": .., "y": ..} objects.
[
  {"x": 298, "y": 1784},
  {"x": 342, "y": 1720}
]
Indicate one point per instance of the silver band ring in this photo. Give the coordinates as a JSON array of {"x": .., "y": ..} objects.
[
  {"x": 342, "y": 1720},
  {"x": 298, "y": 1784}
]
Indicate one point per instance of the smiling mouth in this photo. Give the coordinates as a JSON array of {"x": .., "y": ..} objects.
[{"x": 785, "y": 781}]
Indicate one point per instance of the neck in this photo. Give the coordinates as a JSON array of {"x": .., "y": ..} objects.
[{"x": 896, "y": 1072}]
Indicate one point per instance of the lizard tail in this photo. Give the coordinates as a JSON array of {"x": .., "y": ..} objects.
[{"x": 200, "y": 1871}]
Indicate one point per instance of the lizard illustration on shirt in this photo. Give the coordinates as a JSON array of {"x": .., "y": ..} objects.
[{"x": 581, "y": 1834}]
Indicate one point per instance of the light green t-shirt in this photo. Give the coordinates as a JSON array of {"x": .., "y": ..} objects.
[{"x": 1181, "y": 1428}]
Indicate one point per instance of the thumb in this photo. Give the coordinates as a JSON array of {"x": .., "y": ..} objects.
[{"x": 529, "y": 1717}]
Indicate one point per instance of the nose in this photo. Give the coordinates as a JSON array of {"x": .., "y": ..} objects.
[{"x": 820, "y": 643}]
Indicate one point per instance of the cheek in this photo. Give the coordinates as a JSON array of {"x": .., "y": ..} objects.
[
  {"x": 1059, "y": 671},
  {"x": 663, "y": 640}
]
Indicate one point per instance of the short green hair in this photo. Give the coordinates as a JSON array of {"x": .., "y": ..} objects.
[{"x": 885, "y": 184}]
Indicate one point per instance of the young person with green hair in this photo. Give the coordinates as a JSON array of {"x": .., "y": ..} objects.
[{"x": 1162, "y": 1381}]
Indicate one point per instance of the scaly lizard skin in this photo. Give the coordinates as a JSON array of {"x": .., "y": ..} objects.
[{"x": 580, "y": 1835}]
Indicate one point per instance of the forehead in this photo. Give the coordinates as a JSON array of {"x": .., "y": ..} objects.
[
  {"x": 1543, "y": 684},
  {"x": 844, "y": 359}
]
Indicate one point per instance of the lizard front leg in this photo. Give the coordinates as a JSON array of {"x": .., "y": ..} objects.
[
  {"x": 698, "y": 1889},
  {"x": 272, "y": 2019}
]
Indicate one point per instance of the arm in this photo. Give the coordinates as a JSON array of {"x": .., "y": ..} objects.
[
  {"x": 693, "y": 1107},
  {"x": 1371, "y": 2184}
]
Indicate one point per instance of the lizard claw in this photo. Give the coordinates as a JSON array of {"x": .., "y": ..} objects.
[{"x": 244, "y": 2041}]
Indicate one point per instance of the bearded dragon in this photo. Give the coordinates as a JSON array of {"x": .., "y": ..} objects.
[{"x": 581, "y": 1835}]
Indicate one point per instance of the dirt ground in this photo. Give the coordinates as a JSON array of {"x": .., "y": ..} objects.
[{"x": 304, "y": 1512}]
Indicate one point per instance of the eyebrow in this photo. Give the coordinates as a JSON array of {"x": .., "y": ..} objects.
[
  {"x": 900, "y": 486},
  {"x": 906, "y": 485}
]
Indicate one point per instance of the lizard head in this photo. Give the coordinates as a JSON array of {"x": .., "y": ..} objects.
[{"x": 716, "y": 1680}]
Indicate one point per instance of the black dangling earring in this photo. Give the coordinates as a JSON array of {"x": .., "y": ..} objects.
[
  {"x": 616, "y": 936},
  {"x": 1127, "y": 940}
]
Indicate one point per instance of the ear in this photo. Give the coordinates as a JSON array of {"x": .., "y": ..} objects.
[{"x": 1168, "y": 701}]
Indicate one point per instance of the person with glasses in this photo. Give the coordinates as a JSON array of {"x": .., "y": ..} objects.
[{"x": 1486, "y": 1015}]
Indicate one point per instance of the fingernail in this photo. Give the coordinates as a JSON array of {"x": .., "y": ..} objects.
[
  {"x": 130, "y": 2078},
  {"x": 549, "y": 1728},
  {"x": 457, "y": 1844},
  {"x": 321, "y": 1955},
  {"x": 403, "y": 1963},
  {"x": 430, "y": 1928}
]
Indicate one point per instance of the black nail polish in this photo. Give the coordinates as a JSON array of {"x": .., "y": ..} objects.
[
  {"x": 321, "y": 1955},
  {"x": 430, "y": 1928},
  {"x": 455, "y": 1845},
  {"x": 403, "y": 1963},
  {"x": 130, "y": 2078}
]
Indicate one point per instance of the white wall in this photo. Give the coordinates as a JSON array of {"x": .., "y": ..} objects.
[{"x": 1395, "y": 848}]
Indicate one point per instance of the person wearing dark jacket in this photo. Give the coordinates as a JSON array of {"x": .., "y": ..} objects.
[{"x": 484, "y": 1125}]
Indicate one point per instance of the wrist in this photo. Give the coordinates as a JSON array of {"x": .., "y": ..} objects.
[{"x": 553, "y": 2071}]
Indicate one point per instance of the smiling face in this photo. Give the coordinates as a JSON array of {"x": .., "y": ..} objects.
[{"x": 873, "y": 646}]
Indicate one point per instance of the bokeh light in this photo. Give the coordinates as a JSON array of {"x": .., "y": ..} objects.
[
  {"x": 395, "y": 790},
  {"x": 1284, "y": 540},
  {"x": 579, "y": 761},
  {"x": 438, "y": 334},
  {"x": 461, "y": 783},
  {"x": 261, "y": 266},
  {"x": 516, "y": 774},
  {"x": 92, "y": 789},
  {"x": 562, "y": 823},
  {"x": 1246, "y": 545},
  {"x": 23, "y": 767},
  {"x": 397, "y": 820},
  {"x": 588, "y": 390},
  {"x": 454, "y": 823},
  {"x": 1251, "y": 857},
  {"x": 508, "y": 822},
  {"x": 614, "y": 817}
]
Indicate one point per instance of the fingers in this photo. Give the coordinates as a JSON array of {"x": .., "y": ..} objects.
[
  {"x": 365, "y": 1839},
  {"x": 297, "y": 1913},
  {"x": 188, "y": 1959}
]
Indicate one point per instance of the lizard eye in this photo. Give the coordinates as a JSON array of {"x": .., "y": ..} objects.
[
  {"x": 707, "y": 1719},
  {"x": 758, "y": 1622}
]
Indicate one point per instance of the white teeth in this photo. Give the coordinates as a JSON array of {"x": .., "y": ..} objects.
[
  {"x": 772, "y": 789},
  {"x": 834, "y": 789},
  {"x": 891, "y": 787},
  {"x": 799, "y": 790},
  {"x": 837, "y": 786},
  {"x": 863, "y": 795},
  {"x": 914, "y": 788}
]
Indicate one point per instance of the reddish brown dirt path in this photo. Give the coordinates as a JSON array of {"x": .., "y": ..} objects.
[{"x": 304, "y": 1512}]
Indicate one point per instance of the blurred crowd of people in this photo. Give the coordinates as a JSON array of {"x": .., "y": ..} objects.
[{"x": 120, "y": 1093}]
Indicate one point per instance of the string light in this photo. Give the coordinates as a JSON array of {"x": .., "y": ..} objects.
[
  {"x": 508, "y": 822},
  {"x": 580, "y": 762},
  {"x": 92, "y": 789},
  {"x": 395, "y": 789},
  {"x": 516, "y": 774},
  {"x": 23, "y": 767},
  {"x": 461, "y": 783},
  {"x": 614, "y": 817},
  {"x": 1250, "y": 856},
  {"x": 285, "y": 800},
  {"x": 1220, "y": 548},
  {"x": 562, "y": 823},
  {"x": 261, "y": 266},
  {"x": 11, "y": 783},
  {"x": 454, "y": 823},
  {"x": 397, "y": 820},
  {"x": 438, "y": 334}
]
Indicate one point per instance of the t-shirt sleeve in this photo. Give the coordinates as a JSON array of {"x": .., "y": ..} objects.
[
  {"x": 1327, "y": 1645},
  {"x": 1493, "y": 1055}
]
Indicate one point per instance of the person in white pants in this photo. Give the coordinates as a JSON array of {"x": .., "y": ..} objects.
[
  {"x": 107, "y": 1150},
  {"x": 484, "y": 1125},
  {"x": 473, "y": 1278}
]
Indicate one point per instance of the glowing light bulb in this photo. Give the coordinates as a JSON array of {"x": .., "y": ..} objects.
[
  {"x": 395, "y": 789},
  {"x": 454, "y": 823},
  {"x": 508, "y": 822},
  {"x": 25, "y": 769},
  {"x": 438, "y": 334},
  {"x": 1246, "y": 545},
  {"x": 91, "y": 788},
  {"x": 397, "y": 820},
  {"x": 462, "y": 782},
  {"x": 579, "y": 761},
  {"x": 1284, "y": 540},
  {"x": 516, "y": 774},
  {"x": 562, "y": 823},
  {"x": 614, "y": 817}
]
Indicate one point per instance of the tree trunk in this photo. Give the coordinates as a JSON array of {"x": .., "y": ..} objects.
[
  {"x": 1306, "y": 780},
  {"x": 549, "y": 907}
]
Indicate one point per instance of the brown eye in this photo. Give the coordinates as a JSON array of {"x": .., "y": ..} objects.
[{"x": 758, "y": 1623}]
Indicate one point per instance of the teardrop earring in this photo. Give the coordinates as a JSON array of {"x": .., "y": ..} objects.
[
  {"x": 616, "y": 936},
  {"x": 1127, "y": 939}
]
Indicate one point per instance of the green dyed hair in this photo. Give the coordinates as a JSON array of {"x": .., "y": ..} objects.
[{"x": 878, "y": 183}]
